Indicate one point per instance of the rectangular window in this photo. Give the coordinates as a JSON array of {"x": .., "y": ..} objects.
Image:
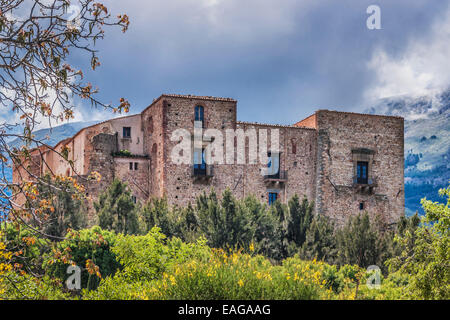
[
  {"x": 362, "y": 175},
  {"x": 135, "y": 166},
  {"x": 134, "y": 199},
  {"x": 273, "y": 196},
  {"x": 131, "y": 165},
  {"x": 361, "y": 206},
  {"x": 126, "y": 132},
  {"x": 199, "y": 117}
]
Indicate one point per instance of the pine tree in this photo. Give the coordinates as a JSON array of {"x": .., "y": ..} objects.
[
  {"x": 320, "y": 240},
  {"x": 116, "y": 210},
  {"x": 359, "y": 242},
  {"x": 300, "y": 217},
  {"x": 155, "y": 212},
  {"x": 68, "y": 211},
  {"x": 211, "y": 219},
  {"x": 266, "y": 230}
]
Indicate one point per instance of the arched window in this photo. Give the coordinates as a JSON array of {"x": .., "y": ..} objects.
[
  {"x": 294, "y": 146},
  {"x": 199, "y": 113},
  {"x": 150, "y": 125}
]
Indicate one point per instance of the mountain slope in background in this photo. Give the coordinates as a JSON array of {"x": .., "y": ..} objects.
[
  {"x": 427, "y": 144},
  {"x": 56, "y": 134}
]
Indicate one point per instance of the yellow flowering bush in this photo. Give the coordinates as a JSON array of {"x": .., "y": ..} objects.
[
  {"x": 5, "y": 266},
  {"x": 237, "y": 275}
]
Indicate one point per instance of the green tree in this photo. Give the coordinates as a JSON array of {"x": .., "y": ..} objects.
[
  {"x": 224, "y": 223},
  {"x": 156, "y": 212},
  {"x": 359, "y": 242},
  {"x": 266, "y": 232},
  {"x": 300, "y": 216},
  {"x": 116, "y": 210},
  {"x": 427, "y": 262},
  {"x": 280, "y": 211},
  {"x": 67, "y": 210},
  {"x": 320, "y": 241},
  {"x": 89, "y": 249}
]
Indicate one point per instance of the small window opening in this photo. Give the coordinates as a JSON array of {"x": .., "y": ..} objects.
[
  {"x": 273, "y": 196},
  {"x": 127, "y": 132},
  {"x": 294, "y": 146},
  {"x": 199, "y": 115},
  {"x": 150, "y": 125}
]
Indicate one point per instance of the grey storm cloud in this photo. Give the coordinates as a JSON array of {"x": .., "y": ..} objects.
[{"x": 280, "y": 59}]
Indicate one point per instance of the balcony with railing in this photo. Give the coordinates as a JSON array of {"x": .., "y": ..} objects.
[
  {"x": 280, "y": 176},
  {"x": 202, "y": 172},
  {"x": 365, "y": 185}
]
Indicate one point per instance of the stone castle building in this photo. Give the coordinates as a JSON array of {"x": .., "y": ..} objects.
[{"x": 346, "y": 162}]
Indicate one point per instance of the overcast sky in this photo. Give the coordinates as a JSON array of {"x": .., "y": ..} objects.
[{"x": 281, "y": 59}]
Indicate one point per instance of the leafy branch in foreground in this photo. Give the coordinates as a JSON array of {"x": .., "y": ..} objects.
[{"x": 40, "y": 86}]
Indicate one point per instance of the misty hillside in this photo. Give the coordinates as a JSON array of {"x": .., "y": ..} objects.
[
  {"x": 56, "y": 134},
  {"x": 427, "y": 144},
  {"x": 50, "y": 137}
]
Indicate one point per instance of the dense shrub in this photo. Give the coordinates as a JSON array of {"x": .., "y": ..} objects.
[{"x": 90, "y": 249}]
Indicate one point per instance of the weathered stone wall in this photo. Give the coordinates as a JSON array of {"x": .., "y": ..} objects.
[
  {"x": 180, "y": 187},
  {"x": 101, "y": 146},
  {"x": 135, "y": 143},
  {"x": 153, "y": 129},
  {"x": 337, "y": 195},
  {"x": 297, "y": 159},
  {"x": 136, "y": 178}
]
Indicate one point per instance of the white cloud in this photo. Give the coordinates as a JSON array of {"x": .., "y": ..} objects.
[{"x": 422, "y": 69}]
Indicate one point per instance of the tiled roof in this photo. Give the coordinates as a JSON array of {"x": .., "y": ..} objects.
[
  {"x": 272, "y": 125},
  {"x": 189, "y": 96},
  {"x": 360, "y": 114}
]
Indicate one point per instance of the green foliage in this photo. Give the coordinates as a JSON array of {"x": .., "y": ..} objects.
[
  {"x": 85, "y": 248},
  {"x": 267, "y": 228},
  {"x": 258, "y": 252},
  {"x": 28, "y": 287},
  {"x": 225, "y": 223},
  {"x": 359, "y": 242},
  {"x": 66, "y": 210},
  {"x": 426, "y": 252},
  {"x": 123, "y": 153},
  {"x": 146, "y": 257},
  {"x": 276, "y": 231},
  {"x": 116, "y": 210},
  {"x": 22, "y": 239},
  {"x": 300, "y": 217},
  {"x": 320, "y": 242}
]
